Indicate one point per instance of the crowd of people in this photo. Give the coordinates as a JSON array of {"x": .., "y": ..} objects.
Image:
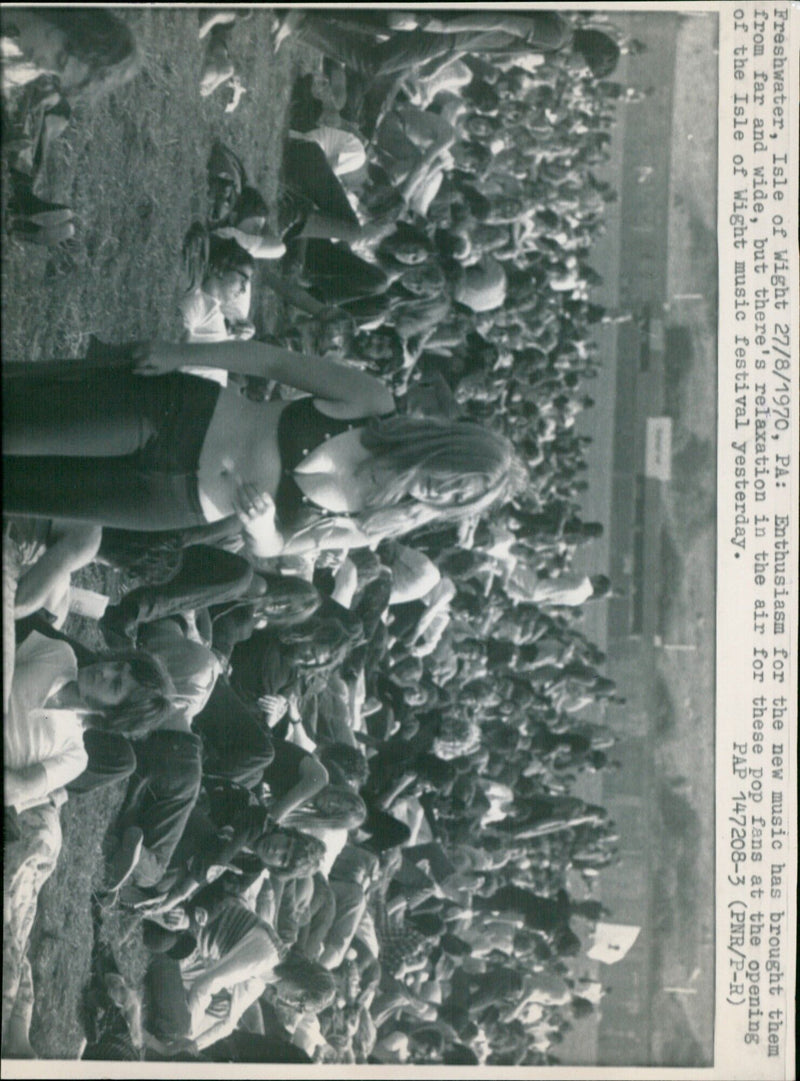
[{"x": 347, "y": 690}]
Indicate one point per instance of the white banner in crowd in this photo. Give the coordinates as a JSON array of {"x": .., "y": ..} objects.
[{"x": 612, "y": 942}]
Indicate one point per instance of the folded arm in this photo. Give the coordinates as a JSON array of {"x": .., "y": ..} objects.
[
  {"x": 253, "y": 957},
  {"x": 243, "y": 995}
]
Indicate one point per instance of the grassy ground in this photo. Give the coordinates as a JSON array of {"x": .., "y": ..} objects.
[
  {"x": 690, "y": 522},
  {"x": 133, "y": 170}
]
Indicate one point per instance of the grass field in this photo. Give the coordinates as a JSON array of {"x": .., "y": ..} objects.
[
  {"x": 687, "y": 814},
  {"x": 134, "y": 171}
]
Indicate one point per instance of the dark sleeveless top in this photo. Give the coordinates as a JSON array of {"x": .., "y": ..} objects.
[{"x": 301, "y": 429}]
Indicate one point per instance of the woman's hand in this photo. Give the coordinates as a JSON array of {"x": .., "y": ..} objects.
[
  {"x": 255, "y": 509},
  {"x": 158, "y": 358},
  {"x": 251, "y": 503}
]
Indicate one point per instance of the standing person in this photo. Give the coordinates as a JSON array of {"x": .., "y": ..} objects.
[
  {"x": 570, "y": 590},
  {"x": 550, "y": 915},
  {"x": 39, "y": 557},
  {"x": 334, "y": 469}
]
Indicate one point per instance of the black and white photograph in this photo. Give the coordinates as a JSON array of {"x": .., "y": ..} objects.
[{"x": 390, "y": 741}]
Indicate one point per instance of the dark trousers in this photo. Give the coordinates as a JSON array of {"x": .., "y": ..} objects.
[
  {"x": 127, "y": 549},
  {"x": 206, "y": 576},
  {"x": 161, "y": 794},
  {"x": 243, "y": 1047},
  {"x": 236, "y": 745},
  {"x": 166, "y": 1008},
  {"x": 112, "y": 448},
  {"x": 111, "y": 758},
  {"x": 402, "y": 51},
  {"x": 540, "y": 913},
  {"x": 406, "y": 50},
  {"x": 306, "y": 170},
  {"x": 385, "y": 831},
  {"x": 336, "y": 275}
]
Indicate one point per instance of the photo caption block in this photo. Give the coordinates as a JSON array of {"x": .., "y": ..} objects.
[{"x": 757, "y": 503}]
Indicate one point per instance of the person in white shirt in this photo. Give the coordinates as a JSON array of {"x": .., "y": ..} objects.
[
  {"x": 51, "y": 702},
  {"x": 39, "y": 557},
  {"x": 216, "y": 306},
  {"x": 570, "y": 590},
  {"x": 199, "y": 1000}
]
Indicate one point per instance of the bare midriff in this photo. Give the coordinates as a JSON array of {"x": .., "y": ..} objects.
[{"x": 240, "y": 446}]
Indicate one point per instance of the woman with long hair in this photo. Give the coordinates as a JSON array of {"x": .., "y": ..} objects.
[
  {"x": 283, "y": 660},
  {"x": 333, "y": 469}
]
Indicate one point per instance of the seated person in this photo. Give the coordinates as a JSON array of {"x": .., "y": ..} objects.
[
  {"x": 269, "y": 663},
  {"x": 237, "y": 211},
  {"x": 53, "y": 700},
  {"x": 52, "y": 704},
  {"x": 216, "y": 307},
  {"x": 39, "y": 557},
  {"x": 234, "y": 747},
  {"x": 255, "y": 758},
  {"x": 163, "y": 770},
  {"x": 90, "y": 51},
  {"x": 227, "y": 821},
  {"x": 350, "y": 879},
  {"x": 412, "y": 146},
  {"x": 192, "y": 664},
  {"x": 330, "y": 816},
  {"x": 48, "y": 553},
  {"x": 228, "y": 961},
  {"x": 292, "y": 1004}
]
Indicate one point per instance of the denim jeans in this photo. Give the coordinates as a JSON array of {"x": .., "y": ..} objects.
[
  {"x": 161, "y": 794},
  {"x": 207, "y": 576},
  {"x": 348, "y": 883},
  {"x": 236, "y": 746},
  {"x": 112, "y": 448}
]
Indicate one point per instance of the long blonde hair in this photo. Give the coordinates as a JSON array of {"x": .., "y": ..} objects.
[
  {"x": 471, "y": 467},
  {"x": 473, "y": 464}
]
